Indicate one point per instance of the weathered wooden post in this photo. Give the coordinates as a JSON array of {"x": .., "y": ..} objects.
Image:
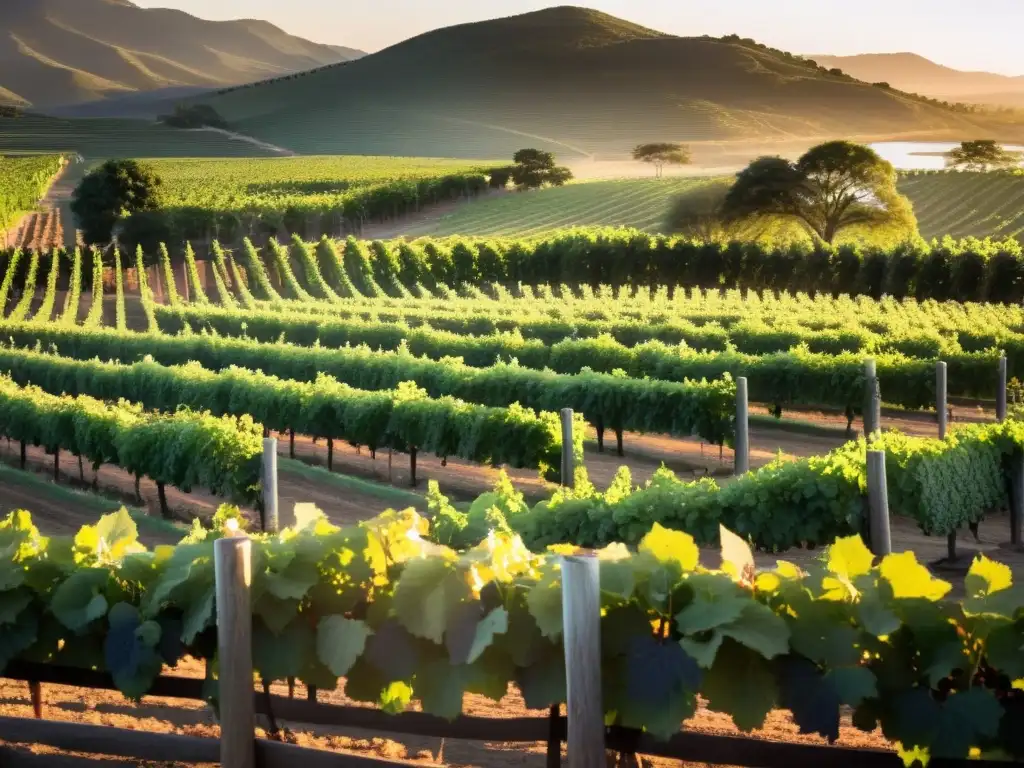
[
  {"x": 233, "y": 573},
  {"x": 568, "y": 457},
  {"x": 270, "y": 512},
  {"x": 741, "y": 460},
  {"x": 1001, "y": 390},
  {"x": 581, "y": 621},
  {"x": 878, "y": 505},
  {"x": 941, "y": 399},
  {"x": 872, "y": 399}
]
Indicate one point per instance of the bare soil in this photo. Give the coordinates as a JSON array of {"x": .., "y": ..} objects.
[{"x": 161, "y": 715}]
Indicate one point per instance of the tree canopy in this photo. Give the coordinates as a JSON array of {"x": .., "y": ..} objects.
[
  {"x": 832, "y": 187},
  {"x": 116, "y": 189},
  {"x": 534, "y": 168},
  {"x": 661, "y": 154},
  {"x": 982, "y": 155}
]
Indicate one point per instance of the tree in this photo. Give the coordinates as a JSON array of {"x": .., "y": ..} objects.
[
  {"x": 116, "y": 189},
  {"x": 660, "y": 155},
  {"x": 982, "y": 155},
  {"x": 832, "y": 187},
  {"x": 534, "y": 168}
]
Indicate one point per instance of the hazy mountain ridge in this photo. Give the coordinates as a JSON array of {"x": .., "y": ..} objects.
[
  {"x": 55, "y": 52},
  {"x": 572, "y": 79},
  {"x": 917, "y": 74}
]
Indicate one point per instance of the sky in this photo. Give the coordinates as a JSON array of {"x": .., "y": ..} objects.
[{"x": 965, "y": 34}]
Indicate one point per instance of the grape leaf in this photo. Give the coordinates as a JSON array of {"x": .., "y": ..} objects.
[
  {"x": 440, "y": 686},
  {"x": 987, "y": 576},
  {"x": 757, "y": 627},
  {"x": 393, "y": 651},
  {"x": 275, "y": 612},
  {"x": 825, "y": 638},
  {"x": 12, "y": 603},
  {"x": 545, "y": 603},
  {"x": 495, "y": 623},
  {"x": 617, "y": 579},
  {"x": 811, "y": 697},
  {"x": 426, "y": 590},
  {"x": 849, "y": 558},
  {"x": 875, "y": 616},
  {"x": 339, "y": 642},
  {"x": 294, "y": 581},
  {"x": 198, "y": 615},
  {"x": 967, "y": 718},
  {"x": 737, "y": 558},
  {"x": 1004, "y": 649},
  {"x": 661, "y": 686},
  {"x": 671, "y": 547},
  {"x": 703, "y": 652},
  {"x": 740, "y": 683},
  {"x": 716, "y": 601},
  {"x": 853, "y": 684},
  {"x": 460, "y": 631},
  {"x": 543, "y": 682},
  {"x": 130, "y": 651},
  {"x": 910, "y": 579},
  {"x": 18, "y": 636},
  {"x": 278, "y": 657},
  {"x": 77, "y": 601}
]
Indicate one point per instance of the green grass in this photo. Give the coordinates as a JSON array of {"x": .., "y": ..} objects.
[
  {"x": 282, "y": 182},
  {"x": 967, "y": 204},
  {"x": 89, "y": 504},
  {"x": 108, "y": 137},
  {"x": 347, "y": 483},
  {"x": 639, "y": 203}
]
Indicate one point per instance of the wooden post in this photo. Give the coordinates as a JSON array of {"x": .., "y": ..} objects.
[
  {"x": 568, "y": 458},
  {"x": 1001, "y": 390},
  {"x": 233, "y": 573},
  {"x": 270, "y": 512},
  {"x": 941, "y": 404},
  {"x": 24, "y": 458},
  {"x": 872, "y": 399},
  {"x": 581, "y": 621},
  {"x": 741, "y": 459},
  {"x": 878, "y": 504},
  {"x": 412, "y": 466},
  {"x": 1016, "y": 459},
  {"x": 291, "y": 443}
]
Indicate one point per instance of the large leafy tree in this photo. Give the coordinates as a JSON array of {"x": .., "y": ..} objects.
[
  {"x": 117, "y": 189},
  {"x": 833, "y": 187},
  {"x": 661, "y": 154},
  {"x": 982, "y": 155},
  {"x": 534, "y": 168}
]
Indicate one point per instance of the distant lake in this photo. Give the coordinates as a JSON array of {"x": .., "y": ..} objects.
[{"x": 921, "y": 155}]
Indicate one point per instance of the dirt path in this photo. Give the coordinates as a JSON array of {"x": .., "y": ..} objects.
[
  {"x": 248, "y": 140},
  {"x": 161, "y": 715}
]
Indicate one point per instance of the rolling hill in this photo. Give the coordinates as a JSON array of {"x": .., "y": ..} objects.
[
  {"x": 55, "y": 52},
  {"x": 572, "y": 80},
  {"x": 910, "y": 72}
]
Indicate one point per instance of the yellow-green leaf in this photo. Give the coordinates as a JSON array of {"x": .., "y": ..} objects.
[{"x": 670, "y": 546}]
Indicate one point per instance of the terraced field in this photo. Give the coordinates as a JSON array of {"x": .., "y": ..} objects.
[
  {"x": 637, "y": 203},
  {"x": 967, "y": 204},
  {"x": 104, "y": 138}
]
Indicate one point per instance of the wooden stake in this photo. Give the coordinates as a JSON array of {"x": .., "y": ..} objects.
[
  {"x": 1001, "y": 390},
  {"x": 568, "y": 457},
  {"x": 269, "y": 477},
  {"x": 233, "y": 573},
  {"x": 941, "y": 403},
  {"x": 872, "y": 399},
  {"x": 878, "y": 502},
  {"x": 581, "y": 621},
  {"x": 741, "y": 459}
]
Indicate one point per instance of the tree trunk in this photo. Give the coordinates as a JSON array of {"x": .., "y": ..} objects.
[
  {"x": 618, "y": 441},
  {"x": 165, "y": 511},
  {"x": 23, "y": 457},
  {"x": 291, "y": 443},
  {"x": 330, "y": 454},
  {"x": 412, "y": 466},
  {"x": 56, "y": 465}
]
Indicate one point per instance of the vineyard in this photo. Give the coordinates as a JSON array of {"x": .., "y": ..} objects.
[
  {"x": 23, "y": 180},
  {"x": 459, "y": 354},
  {"x": 967, "y": 204},
  {"x": 328, "y": 194}
]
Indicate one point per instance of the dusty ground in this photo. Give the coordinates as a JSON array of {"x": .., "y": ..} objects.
[{"x": 161, "y": 715}]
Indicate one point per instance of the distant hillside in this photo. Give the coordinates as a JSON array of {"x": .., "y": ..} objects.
[
  {"x": 910, "y": 72},
  {"x": 572, "y": 80},
  {"x": 55, "y": 52}
]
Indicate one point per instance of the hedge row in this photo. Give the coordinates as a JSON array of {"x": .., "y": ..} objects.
[
  {"x": 185, "y": 449},
  {"x": 676, "y": 407},
  {"x": 404, "y": 419}
]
